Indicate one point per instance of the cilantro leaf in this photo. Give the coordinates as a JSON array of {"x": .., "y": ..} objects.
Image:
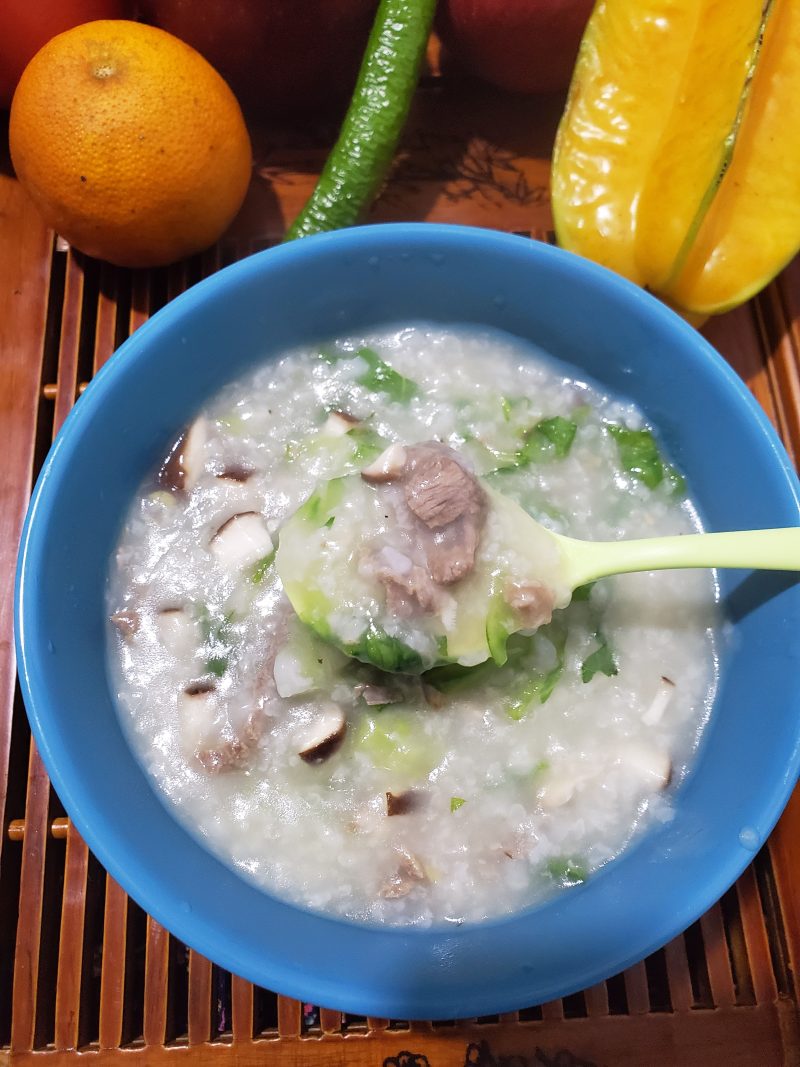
[{"x": 601, "y": 661}]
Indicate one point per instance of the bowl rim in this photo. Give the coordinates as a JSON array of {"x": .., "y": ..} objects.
[{"x": 127, "y": 870}]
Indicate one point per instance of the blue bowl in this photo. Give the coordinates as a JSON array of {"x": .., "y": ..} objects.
[{"x": 348, "y": 282}]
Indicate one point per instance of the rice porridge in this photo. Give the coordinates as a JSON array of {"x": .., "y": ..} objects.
[{"x": 487, "y": 740}]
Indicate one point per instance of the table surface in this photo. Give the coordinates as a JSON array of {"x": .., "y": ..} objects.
[{"x": 84, "y": 973}]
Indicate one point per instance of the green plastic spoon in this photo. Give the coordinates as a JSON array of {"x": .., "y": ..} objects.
[{"x": 323, "y": 546}]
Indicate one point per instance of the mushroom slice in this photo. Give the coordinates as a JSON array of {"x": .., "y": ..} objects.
[
  {"x": 660, "y": 702},
  {"x": 409, "y": 873},
  {"x": 322, "y": 738},
  {"x": 184, "y": 464},
  {"x": 339, "y": 423},
  {"x": 241, "y": 541},
  {"x": 650, "y": 764},
  {"x": 206, "y": 737},
  {"x": 388, "y": 465},
  {"x": 126, "y": 621},
  {"x": 403, "y": 803},
  {"x": 236, "y": 472},
  {"x": 378, "y": 695},
  {"x": 197, "y": 708},
  {"x": 178, "y": 631},
  {"x": 288, "y": 675},
  {"x": 556, "y": 790}
]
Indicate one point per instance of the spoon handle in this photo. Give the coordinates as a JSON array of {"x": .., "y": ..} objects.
[{"x": 773, "y": 550}]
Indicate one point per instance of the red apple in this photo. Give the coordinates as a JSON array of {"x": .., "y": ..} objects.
[
  {"x": 278, "y": 56},
  {"x": 524, "y": 46},
  {"x": 26, "y": 25}
]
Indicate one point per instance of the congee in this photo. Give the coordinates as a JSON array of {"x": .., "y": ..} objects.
[{"x": 440, "y": 771}]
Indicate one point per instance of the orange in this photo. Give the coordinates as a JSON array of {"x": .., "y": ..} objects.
[{"x": 132, "y": 146}]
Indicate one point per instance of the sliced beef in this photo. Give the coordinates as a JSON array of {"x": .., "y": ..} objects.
[
  {"x": 438, "y": 489},
  {"x": 410, "y": 589},
  {"x": 217, "y": 747},
  {"x": 408, "y": 874},
  {"x": 442, "y": 506},
  {"x": 126, "y": 621},
  {"x": 532, "y": 601}
]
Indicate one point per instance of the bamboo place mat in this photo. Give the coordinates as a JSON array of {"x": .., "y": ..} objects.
[{"x": 85, "y": 975}]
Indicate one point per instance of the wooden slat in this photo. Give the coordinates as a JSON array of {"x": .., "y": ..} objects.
[
  {"x": 597, "y": 999},
  {"x": 719, "y": 966},
  {"x": 140, "y": 300},
  {"x": 420, "y": 1025},
  {"x": 636, "y": 989},
  {"x": 69, "y": 339},
  {"x": 24, "y": 277},
  {"x": 755, "y": 936},
  {"x": 242, "y": 1010},
  {"x": 70, "y": 950},
  {"x": 112, "y": 977},
  {"x": 37, "y": 801},
  {"x": 330, "y": 1021},
  {"x": 680, "y": 982},
  {"x": 156, "y": 976},
  {"x": 31, "y": 892},
  {"x": 289, "y": 1017},
  {"x": 199, "y": 998},
  {"x": 784, "y": 847},
  {"x": 553, "y": 1010},
  {"x": 375, "y": 1023},
  {"x": 737, "y": 337},
  {"x": 105, "y": 330}
]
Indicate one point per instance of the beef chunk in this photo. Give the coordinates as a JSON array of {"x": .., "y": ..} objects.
[
  {"x": 532, "y": 601},
  {"x": 438, "y": 489}
]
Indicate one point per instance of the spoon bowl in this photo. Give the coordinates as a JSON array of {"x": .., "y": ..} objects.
[{"x": 323, "y": 564}]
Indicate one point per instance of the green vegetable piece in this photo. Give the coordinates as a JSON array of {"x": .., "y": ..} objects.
[
  {"x": 261, "y": 568},
  {"x": 456, "y": 803},
  {"x": 217, "y": 665},
  {"x": 367, "y": 444},
  {"x": 217, "y": 638},
  {"x": 550, "y": 437},
  {"x": 367, "y": 141},
  {"x": 385, "y": 652},
  {"x": 233, "y": 423},
  {"x": 454, "y": 677},
  {"x": 567, "y": 871},
  {"x": 382, "y": 378},
  {"x": 396, "y": 741},
  {"x": 601, "y": 661},
  {"x": 583, "y": 592},
  {"x": 540, "y": 685},
  {"x": 322, "y": 501},
  {"x": 329, "y": 522},
  {"x": 329, "y": 354},
  {"x": 640, "y": 457},
  {"x": 499, "y": 624}
]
